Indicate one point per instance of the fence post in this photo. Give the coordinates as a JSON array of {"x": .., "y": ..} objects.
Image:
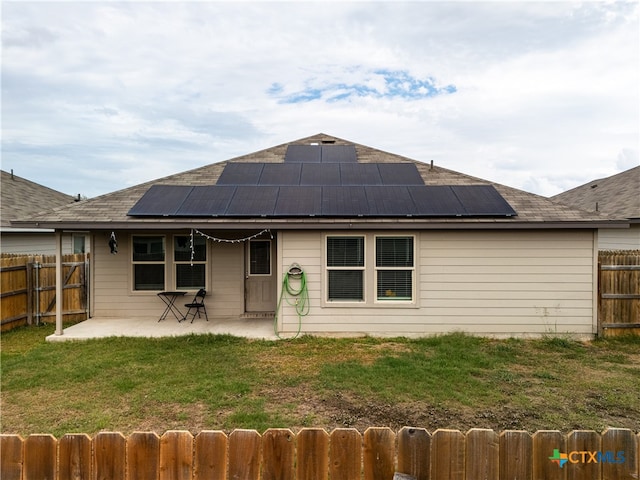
[
  {"x": 414, "y": 452},
  {"x": 278, "y": 452},
  {"x": 40, "y": 457},
  {"x": 244, "y": 454},
  {"x": 176, "y": 455},
  {"x": 11, "y": 457},
  {"x": 482, "y": 454},
  {"x": 345, "y": 455},
  {"x": 210, "y": 460},
  {"x": 313, "y": 454},
  {"x": 447, "y": 454},
  {"x": 619, "y": 448},
  {"x": 143, "y": 456},
  {"x": 74, "y": 457}
]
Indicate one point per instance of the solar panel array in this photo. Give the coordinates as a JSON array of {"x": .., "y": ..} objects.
[
  {"x": 322, "y": 201},
  {"x": 321, "y": 181}
]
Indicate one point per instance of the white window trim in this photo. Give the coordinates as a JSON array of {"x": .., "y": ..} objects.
[
  {"x": 174, "y": 264},
  {"x": 326, "y": 269},
  {"x": 393, "y": 301},
  {"x": 139, "y": 262}
]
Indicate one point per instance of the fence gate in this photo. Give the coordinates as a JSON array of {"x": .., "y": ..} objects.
[
  {"x": 619, "y": 293},
  {"x": 28, "y": 289}
]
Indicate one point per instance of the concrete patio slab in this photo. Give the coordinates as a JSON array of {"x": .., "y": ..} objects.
[{"x": 255, "y": 328}]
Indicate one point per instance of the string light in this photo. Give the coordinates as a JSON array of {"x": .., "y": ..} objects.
[{"x": 227, "y": 240}]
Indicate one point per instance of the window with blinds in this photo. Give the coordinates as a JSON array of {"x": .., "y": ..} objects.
[
  {"x": 394, "y": 268},
  {"x": 345, "y": 266}
]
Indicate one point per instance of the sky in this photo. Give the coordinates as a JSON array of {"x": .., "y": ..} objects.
[{"x": 98, "y": 96}]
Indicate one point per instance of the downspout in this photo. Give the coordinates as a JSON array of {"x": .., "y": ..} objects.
[{"x": 59, "y": 281}]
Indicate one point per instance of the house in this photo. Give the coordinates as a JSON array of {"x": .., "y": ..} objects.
[
  {"x": 384, "y": 245},
  {"x": 22, "y": 198},
  {"x": 619, "y": 196}
]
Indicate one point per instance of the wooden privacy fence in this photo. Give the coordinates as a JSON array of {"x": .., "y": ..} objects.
[
  {"x": 619, "y": 292},
  {"x": 28, "y": 289},
  {"x": 314, "y": 454}
]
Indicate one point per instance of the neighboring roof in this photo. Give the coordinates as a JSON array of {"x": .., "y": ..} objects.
[
  {"x": 618, "y": 195},
  {"x": 22, "y": 198},
  {"x": 111, "y": 211}
]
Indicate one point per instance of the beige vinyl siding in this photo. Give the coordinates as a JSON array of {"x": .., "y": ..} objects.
[
  {"x": 113, "y": 295},
  {"x": 36, "y": 243},
  {"x": 490, "y": 283},
  {"x": 619, "y": 239}
]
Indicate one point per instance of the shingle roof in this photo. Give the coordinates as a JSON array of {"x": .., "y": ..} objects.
[
  {"x": 110, "y": 211},
  {"x": 618, "y": 195},
  {"x": 22, "y": 198}
]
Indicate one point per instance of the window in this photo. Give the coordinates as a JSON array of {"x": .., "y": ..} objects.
[
  {"x": 148, "y": 262},
  {"x": 190, "y": 272},
  {"x": 260, "y": 257},
  {"x": 78, "y": 244},
  {"x": 345, "y": 268},
  {"x": 394, "y": 268}
]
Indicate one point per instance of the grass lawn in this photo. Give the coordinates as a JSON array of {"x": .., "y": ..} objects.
[{"x": 223, "y": 382}]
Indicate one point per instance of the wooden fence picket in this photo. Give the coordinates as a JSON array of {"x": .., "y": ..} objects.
[
  {"x": 345, "y": 458},
  {"x": 278, "y": 453},
  {"x": 74, "y": 457},
  {"x": 143, "y": 456},
  {"x": 617, "y": 466},
  {"x": 109, "y": 456},
  {"x": 414, "y": 452},
  {"x": 447, "y": 454},
  {"x": 583, "y": 441},
  {"x": 545, "y": 442},
  {"x": 210, "y": 460},
  {"x": 176, "y": 455},
  {"x": 244, "y": 455},
  {"x": 515, "y": 455},
  {"x": 482, "y": 454},
  {"x": 379, "y": 449},
  {"x": 313, "y": 454},
  {"x": 40, "y": 457},
  {"x": 11, "y": 455}
]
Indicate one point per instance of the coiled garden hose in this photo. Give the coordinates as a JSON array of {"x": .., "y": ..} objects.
[{"x": 296, "y": 297}]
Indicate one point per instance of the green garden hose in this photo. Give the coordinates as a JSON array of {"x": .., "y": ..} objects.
[{"x": 296, "y": 297}]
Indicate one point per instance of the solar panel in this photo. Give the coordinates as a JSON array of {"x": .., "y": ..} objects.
[
  {"x": 240, "y": 174},
  {"x": 359, "y": 174},
  {"x": 436, "y": 201},
  {"x": 161, "y": 201},
  {"x": 303, "y": 154},
  {"x": 390, "y": 201},
  {"x": 280, "y": 174},
  {"x": 482, "y": 200},
  {"x": 340, "y": 201},
  {"x": 338, "y": 154},
  {"x": 205, "y": 201},
  {"x": 253, "y": 201},
  {"x": 320, "y": 174},
  {"x": 399, "y": 174},
  {"x": 298, "y": 201}
]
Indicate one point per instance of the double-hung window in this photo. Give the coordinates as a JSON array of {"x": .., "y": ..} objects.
[
  {"x": 190, "y": 261},
  {"x": 394, "y": 268},
  {"x": 345, "y": 268},
  {"x": 148, "y": 262}
]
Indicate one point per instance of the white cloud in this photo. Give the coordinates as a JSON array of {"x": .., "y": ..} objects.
[{"x": 102, "y": 95}]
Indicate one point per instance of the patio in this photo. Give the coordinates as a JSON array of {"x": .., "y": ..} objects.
[{"x": 255, "y": 328}]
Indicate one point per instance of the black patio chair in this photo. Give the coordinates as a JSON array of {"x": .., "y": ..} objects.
[{"x": 196, "y": 305}]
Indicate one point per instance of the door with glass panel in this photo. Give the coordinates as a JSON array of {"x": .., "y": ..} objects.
[{"x": 260, "y": 279}]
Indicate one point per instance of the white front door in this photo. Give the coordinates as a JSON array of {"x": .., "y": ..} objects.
[{"x": 260, "y": 280}]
